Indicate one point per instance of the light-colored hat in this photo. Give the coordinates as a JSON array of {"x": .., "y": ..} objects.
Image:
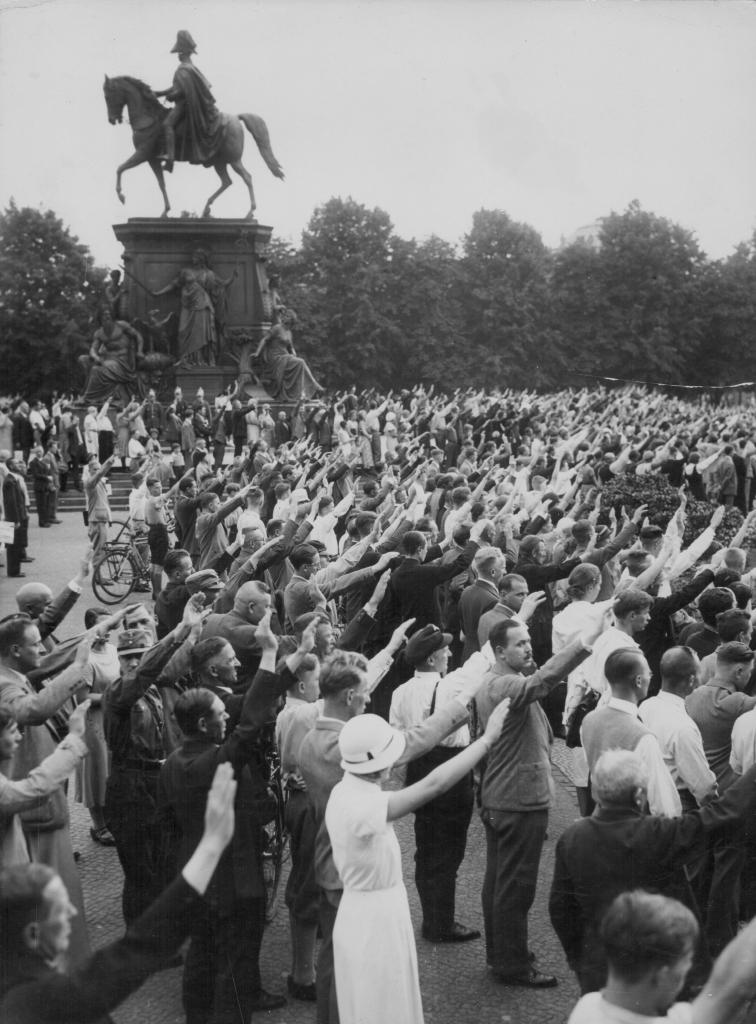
[{"x": 368, "y": 744}]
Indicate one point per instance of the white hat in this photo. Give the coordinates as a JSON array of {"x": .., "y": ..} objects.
[{"x": 368, "y": 744}]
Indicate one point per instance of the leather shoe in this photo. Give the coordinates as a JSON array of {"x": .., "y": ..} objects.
[
  {"x": 531, "y": 978},
  {"x": 27, "y": 559},
  {"x": 267, "y": 1001},
  {"x": 17, "y": 575},
  {"x": 459, "y": 933},
  {"x": 306, "y": 993}
]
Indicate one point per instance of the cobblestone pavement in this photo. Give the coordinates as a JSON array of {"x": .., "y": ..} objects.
[{"x": 456, "y": 987}]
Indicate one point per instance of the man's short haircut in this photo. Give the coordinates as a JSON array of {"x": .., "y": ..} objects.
[
  {"x": 636, "y": 561},
  {"x": 508, "y": 582},
  {"x": 582, "y": 530},
  {"x": 487, "y": 557},
  {"x": 426, "y": 524},
  {"x": 623, "y": 665},
  {"x": 735, "y": 558},
  {"x": 732, "y": 623},
  {"x": 173, "y": 559},
  {"x": 13, "y": 632},
  {"x": 282, "y": 490},
  {"x": 499, "y": 635},
  {"x": 324, "y": 502},
  {"x": 616, "y": 776},
  {"x": 734, "y": 653},
  {"x": 22, "y": 900},
  {"x": 631, "y": 600},
  {"x": 203, "y": 651},
  {"x": 461, "y": 535},
  {"x": 459, "y": 496},
  {"x": 412, "y": 542},
  {"x": 186, "y": 485},
  {"x": 91, "y": 615},
  {"x": 363, "y": 522},
  {"x": 642, "y": 931},
  {"x": 301, "y": 622},
  {"x": 207, "y": 498},
  {"x": 528, "y": 546},
  {"x": 303, "y": 554},
  {"x": 151, "y": 481},
  {"x": 193, "y": 704},
  {"x": 307, "y": 664},
  {"x": 742, "y": 594},
  {"x": 344, "y": 670},
  {"x": 714, "y": 601},
  {"x": 255, "y": 495},
  {"x": 677, "y": 665}
]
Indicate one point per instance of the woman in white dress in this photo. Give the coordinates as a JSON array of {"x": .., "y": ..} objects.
[{"x": 373, "y": 942}]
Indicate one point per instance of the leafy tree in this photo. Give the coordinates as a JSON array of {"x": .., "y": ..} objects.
[
  {"x": 348, "y": 328},
  {"x": 49, "y": 291},
  {"x": 648, "y": 311},
  {"x": 507, "y": 306},
  {"x": 727, "y": 299}
]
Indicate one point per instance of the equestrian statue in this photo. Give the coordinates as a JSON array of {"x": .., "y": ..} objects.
[{"x": 193, "y": 130}]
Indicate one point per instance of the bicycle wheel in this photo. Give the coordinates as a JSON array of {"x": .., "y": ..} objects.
[
  {"x": 114, "y": 575},
  {"x": 275, "y": 850}
]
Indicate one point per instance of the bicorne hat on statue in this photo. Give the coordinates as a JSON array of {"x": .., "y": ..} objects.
[{"x": 184, "y": 43}]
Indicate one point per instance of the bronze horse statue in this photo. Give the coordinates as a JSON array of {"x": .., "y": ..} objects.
[{"x": 146, "y": 115}]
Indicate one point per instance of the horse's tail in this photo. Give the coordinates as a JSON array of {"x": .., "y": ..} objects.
[{"x": 258, "y": 129}]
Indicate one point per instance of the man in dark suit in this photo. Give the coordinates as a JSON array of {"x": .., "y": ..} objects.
[
  {"x": 412, "y": 585},
  {"x": 17, "y": 514},
  {"x": 222, "y": 970},
  {"x": 35, "y": 913},
  {"x": 480, "y": 596},
  {"x": 621, "y": 847}
]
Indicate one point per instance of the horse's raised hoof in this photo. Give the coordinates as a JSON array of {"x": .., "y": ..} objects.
[
  {"x": 168, "y": 166},
  {"x": 121, "y": 197}
]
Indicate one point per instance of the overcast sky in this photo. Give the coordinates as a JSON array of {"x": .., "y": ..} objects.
[{"x": 556, "y": 112}]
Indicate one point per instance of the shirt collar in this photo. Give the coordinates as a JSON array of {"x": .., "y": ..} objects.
[
  {"x": 427, "y": 677},
  {"x": 626, "y": 706}
]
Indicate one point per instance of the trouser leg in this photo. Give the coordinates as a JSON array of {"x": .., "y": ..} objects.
[
  {"x": 510, "y": 885},
  {"x": 722, "y": 906},
  {"x": 198, "y": 983},
  {"x": 327, "y": 1007},
  {"x": 237, "y": 981},
  {"x": 440, "y": 836},
  {"x": 130, "y": 813}
]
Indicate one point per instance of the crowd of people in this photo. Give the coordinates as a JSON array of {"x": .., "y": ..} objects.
[{"x": 415, "y": 588}]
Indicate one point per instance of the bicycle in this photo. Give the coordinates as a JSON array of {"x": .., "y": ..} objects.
[
  {"x": 275, "y": 847},
  {"x": 121, "y": 569}
]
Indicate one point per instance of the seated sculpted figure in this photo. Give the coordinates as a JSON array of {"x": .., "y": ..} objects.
[
  {"x": 287, "y": 377},
  {"x": 112, "y": 363}
]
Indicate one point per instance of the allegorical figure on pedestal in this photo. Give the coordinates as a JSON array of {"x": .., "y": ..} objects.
[
  {"x": 202, "y": 317},
  {"x": 286, "y": 376},
  {"x": 112, "y": 361}
]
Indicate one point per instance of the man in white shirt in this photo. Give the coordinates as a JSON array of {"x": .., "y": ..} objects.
[
  {"x": 649, "y": 942},
  {"x": 677, "y": 734},
  {"x": 617, "y": 725},
  {"x": 632, "y": 611},
  {"x": 441, "y": 825}
]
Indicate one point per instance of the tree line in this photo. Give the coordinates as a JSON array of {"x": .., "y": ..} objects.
[{"x": 643, "y": 302}]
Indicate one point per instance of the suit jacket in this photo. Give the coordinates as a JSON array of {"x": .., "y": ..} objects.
[
  {"x": 412, "y": 585},
  {"x": 14, "y": 500},
  {"x": 475, "y": 600},
  {"x": 185, "y": 781},
  {"x": 619, "y": 849}
]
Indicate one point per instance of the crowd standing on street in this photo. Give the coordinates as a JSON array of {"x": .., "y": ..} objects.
[{"x": 402, "y": 601}]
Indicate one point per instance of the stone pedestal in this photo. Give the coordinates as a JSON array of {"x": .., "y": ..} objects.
[{"x": 155, "y": 252}]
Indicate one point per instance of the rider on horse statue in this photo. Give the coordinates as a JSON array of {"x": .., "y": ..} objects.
[{"x": 194, "y": 110}]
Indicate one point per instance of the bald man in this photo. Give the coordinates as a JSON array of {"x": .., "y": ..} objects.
[
  {"x": 37, "y": 601},
  {"x": 239, "y": 626}
]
